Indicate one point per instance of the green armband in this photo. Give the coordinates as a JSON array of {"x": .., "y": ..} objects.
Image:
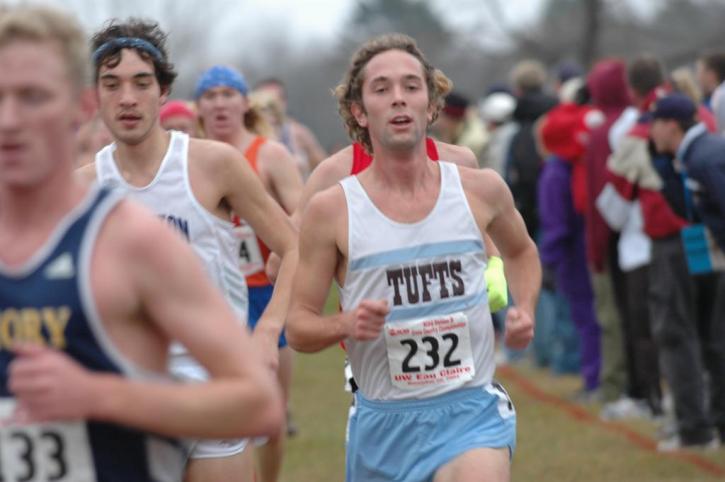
[{"x": 496, "y": 286}]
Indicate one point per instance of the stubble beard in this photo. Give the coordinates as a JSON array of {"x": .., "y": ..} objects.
[
  {"x": 401, "y": 142},
  {"x": 131, "y": 138}
]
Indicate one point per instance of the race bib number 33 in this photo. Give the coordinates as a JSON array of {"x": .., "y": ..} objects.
[
  {"x": 47, "y": 452},
  {"x": 433, "y": 351}
]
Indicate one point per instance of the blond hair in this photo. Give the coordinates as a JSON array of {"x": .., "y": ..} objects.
[
  {"x": 684, "y": 81},
  {"x": 529, "y": 75},
  {"x": 47, "y": 24},
  {"x": 267, "y": 102},
  {"x": 255, "y": 122},
  {"x": 349, "y": 91}
]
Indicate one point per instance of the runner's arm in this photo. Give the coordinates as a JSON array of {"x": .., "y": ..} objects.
[
  {"x": 519, "y": 253},
  {"x": 87, "y": 173},
  {"x": 247, "y": 198},
  {"x": 309, "y": 143},
  {"x": 165, "y": 285},
  {"x": 280, "y": 168},
  {"x": 327, "y": 174},
  {"x": 461, "y": 155},
  {"x": 241, "y": 398},
  {"x": 308, "y": 330}
]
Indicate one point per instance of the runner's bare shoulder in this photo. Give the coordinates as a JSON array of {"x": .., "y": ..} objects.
[
  {"x": 87, "y": 172},
  {"x": 132, "y": 232},
  {"x": 328, "y": 173},
  {"x": 485, "y": 184},
  {"x": 461, "y": 155},
  {"x": 215, "y": 156},
  {"x": 335, "y": 167}
]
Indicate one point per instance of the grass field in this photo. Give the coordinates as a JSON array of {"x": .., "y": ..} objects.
[{"x": 557, "y": 441}]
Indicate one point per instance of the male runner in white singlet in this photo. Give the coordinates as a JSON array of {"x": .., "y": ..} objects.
[
  {"x": 194, "y": 185},
  {"x": 408, "y": 253}
]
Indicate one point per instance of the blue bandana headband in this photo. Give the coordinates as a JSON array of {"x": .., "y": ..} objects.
[
  {"x": 127, "y": 43},
  {"x": 220, "y": 76}
]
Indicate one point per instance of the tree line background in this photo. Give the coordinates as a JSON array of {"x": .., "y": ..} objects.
[{"x": 474, "y": 56}]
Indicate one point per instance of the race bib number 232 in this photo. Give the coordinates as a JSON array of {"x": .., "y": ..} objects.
[
  {"x": 432, "y": 352},
  {"x": 44, "y": 452}
]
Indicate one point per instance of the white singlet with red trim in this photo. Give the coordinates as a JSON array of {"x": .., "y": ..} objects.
[{"x": 438, "y": 336}]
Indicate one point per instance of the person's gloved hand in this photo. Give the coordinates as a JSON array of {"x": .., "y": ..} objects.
[{"x": 496, "y": 286}]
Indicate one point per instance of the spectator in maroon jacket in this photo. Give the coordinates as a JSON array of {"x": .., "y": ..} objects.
[{"x": 607, "y": 84}]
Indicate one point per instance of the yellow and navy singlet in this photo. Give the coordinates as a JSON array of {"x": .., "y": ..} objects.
[{"x": 49, "y": 300}]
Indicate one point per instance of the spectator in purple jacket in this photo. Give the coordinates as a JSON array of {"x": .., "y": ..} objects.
[{"x": 564, "y": 133}]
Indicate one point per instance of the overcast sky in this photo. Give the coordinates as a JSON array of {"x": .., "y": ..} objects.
[
  {"x": 300, "y": 20},
  {"x": 302, "y": 23}
]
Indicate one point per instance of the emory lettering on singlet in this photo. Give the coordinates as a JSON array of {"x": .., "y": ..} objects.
[
  {"x": 417, "y": 280},
  {"x": 44, "y": 326},
  {"x": 181, "y": 224}
]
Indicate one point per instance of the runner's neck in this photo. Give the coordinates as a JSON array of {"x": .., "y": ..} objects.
[
  {"x": 403, "y": 170},
  {"x": 143, "y": 160}
]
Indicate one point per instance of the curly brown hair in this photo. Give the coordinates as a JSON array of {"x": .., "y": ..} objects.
[
  {"x": 349, "y": 91},
  {"x": 141, "y": 29}
]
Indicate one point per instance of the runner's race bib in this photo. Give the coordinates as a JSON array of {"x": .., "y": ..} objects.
[
  {"x": 250, "y": 255},
  {"x": 430, "y": 352},
  {"x": 43, "y": 452}
]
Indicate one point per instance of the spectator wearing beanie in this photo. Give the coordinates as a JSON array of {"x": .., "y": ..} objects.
[
  {"x": 566, "y": 71},
  {"x": 496, "y": 110},
  {"x": 177, "y": 115}
]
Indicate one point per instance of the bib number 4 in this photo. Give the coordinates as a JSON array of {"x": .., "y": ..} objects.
[{"x": 251, "y": 260}]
